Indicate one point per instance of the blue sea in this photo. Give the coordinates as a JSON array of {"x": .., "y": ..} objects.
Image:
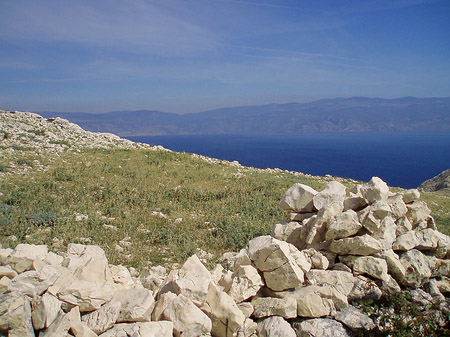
[{"x": 402, "y": 159}]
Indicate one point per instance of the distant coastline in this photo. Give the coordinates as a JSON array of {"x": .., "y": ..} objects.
[{"x": 357, "y": 114}]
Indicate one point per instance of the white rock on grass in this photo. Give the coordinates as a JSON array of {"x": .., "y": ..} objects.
[
  {"x": 372, "y": 266},
  {"x": 298, "y": 198}
]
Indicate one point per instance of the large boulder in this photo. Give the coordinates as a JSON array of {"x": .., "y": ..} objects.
[
  {"x": 136, "y": 304},
  {"x": 342, "y": 281},
  {"x": 334, "y": 192},
  {"x": 298, "y": 198},
  {"x": 345, "y": 225},
  {"x": 318, "y": 301},
  {"x": 270, "y": 306},
  {"x": 375, "y": 190},
  {"x": 275, "y": 326},
  {"x": 354, "y": 318},
  {"x": 147, "y": 329},
  {"x": 45, "y": 310},
  {"x": 104, "y": 318},
  {"x": 320, "y": 327},
  {"x": 191, "y": 280},
  {"x": 358, "y": 245},
  {"x": 417, "y": 268},
  {"x": 227, "y": 319},
  {"x": 273, "y": 258},
  {"x": 15, "y": 315},
  {"x": 24, "y": 255},
  {"x": 188, "y": 320},
  {"x": 245, "y": 283}
]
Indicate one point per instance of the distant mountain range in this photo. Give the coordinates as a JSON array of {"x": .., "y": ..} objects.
[{"x": 357, "y": 114}]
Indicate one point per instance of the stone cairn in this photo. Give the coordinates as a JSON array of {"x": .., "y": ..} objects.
[{"x": 300, "y": 281}]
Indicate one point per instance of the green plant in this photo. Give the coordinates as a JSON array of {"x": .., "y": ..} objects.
[
  {"x": 38, "y": 132},
  {"x": 42, "y": 219},
  {"x": 398, "y": 315},
  {"x": 3, "y": 168},
  {"x": 24, "y": 162}
]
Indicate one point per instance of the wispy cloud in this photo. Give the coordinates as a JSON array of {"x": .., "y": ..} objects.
[
  {"x": 262, "y": 4},
  {"x": 134, "y": 25}
]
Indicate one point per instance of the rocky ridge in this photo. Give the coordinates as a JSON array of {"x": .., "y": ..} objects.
[
  {"x": 439, "y": 183},
  {"x": 303, "y": 280},
  {"x": 22, "y": 132}
]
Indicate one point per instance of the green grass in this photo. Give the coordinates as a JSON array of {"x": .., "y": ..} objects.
[{"x": 222, "y": 207}]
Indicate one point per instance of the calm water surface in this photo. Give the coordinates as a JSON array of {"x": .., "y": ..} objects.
[{"x": 403, "y": 159}]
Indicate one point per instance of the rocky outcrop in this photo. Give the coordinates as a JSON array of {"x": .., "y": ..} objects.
[
  {"x": 438, "y": 183},
  {"x": 303, "y": 280}
]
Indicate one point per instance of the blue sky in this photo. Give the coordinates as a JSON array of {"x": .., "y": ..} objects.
[{"x": 193, "y": 55}]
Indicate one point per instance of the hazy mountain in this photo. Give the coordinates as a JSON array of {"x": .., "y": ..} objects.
[{"x": 357, "y": 114}]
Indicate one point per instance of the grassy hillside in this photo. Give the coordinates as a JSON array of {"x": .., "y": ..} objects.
[{"x": 143, "y": 206}]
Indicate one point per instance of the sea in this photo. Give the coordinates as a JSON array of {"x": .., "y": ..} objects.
[{"x": 401, "y": 159}]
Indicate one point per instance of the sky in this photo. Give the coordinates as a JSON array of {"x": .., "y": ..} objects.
[{"x": 193, "y": 55}]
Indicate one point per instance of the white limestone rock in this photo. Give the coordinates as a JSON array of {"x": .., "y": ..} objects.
[
  {"x": 146, "y": 329},
  {"x": 317, "y": 259},
  {"x": 375, "y": 190},
  {"x": 245, "y": 283},
  {"x": 275, "y": 326},
  {"x": 246, "y": 308},
  {"x": 23, "y": 256},
  {"x": 226, "y": 317},
  {"x": 136, "y": 304},
  {"x": 161, "y": 304},
  {"x": 15, "y": 315},
  {"x": 300, "y": 217},
  {"x": 397, "y": 206},
  {"x": 34, "y": 282},
  {"x": 298, "y": 198},
  {"x": 4, "y": 284},
  {"x": 318, "y": 301},
  {"x": 45, "y": 310},
  {"x": 354, "y": 318},
  {"x": 241, "y": 259},
  {"x": 62, "y": 324},
  {"x": 320, "y": 327},
  {"x": 418, "y": 211},
  {"x": 370, "y": 265},
  {"x": 8, "y": 272},
  {"x": 334, "y": 192},
  {"x": 342, "y": 281},
  {"x": 273, "y": 258},
  {"x": 4, "y": 255},
  {"x": 270, "y": 306},
  {"x": 283, "y": 230},
  {"x": 317, "y": 227},
  {"x": 355, "y": 203},
  {"x": 416, "y": 266},
  {"x": 395, "y": 267},
  {"x": 410, "y": 195},
  {"x": 345, "y": 225},
  {"x": 403, "y": 226},
  {"x": 387, "y": 233},
  {"x": 104, "y": 318},
  {"x": 188, "y": 320},
  {"x": 364, "y": 289},
  {"x": 406, "y": 241},
  {"x": 359, "y": 245},
  {"x": 191, "y": 280}
]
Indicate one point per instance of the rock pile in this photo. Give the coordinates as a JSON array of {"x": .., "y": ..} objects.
[{"x": 300, "y": 281}]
